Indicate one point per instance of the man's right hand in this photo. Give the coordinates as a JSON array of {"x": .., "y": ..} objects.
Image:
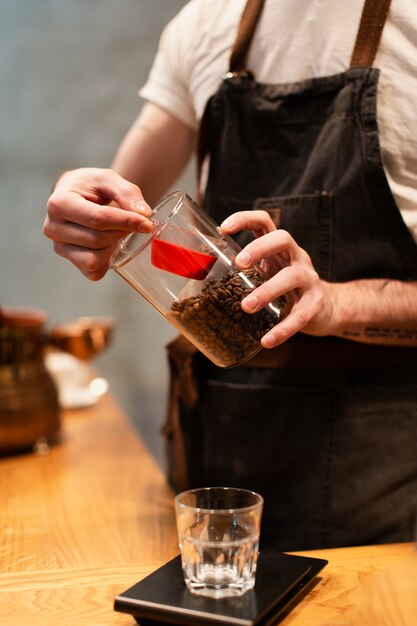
[{"x": 89, "y": 211}]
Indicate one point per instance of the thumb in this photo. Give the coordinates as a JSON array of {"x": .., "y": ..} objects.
[
  {"x": 129, "y": 197},
  {"x": 142, "y": 207}
]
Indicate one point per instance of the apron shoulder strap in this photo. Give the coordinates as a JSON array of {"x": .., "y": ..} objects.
[
  {"x": 246, "y": 30},
  {"x": 237, "y": 66},
  {"x": 372, "y": 23}
]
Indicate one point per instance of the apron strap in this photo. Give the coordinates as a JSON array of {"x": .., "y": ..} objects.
[
  {"x": 247, "y": 27},
  {"x": 372, "y": 23},
  {"x": 237, "y": 66}
]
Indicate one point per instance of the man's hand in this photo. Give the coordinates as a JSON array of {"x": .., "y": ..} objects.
[
  {"x": 290, "y": 270},
  {"x": 378, "y": 311},
  {"x": 89, "y": 211}
]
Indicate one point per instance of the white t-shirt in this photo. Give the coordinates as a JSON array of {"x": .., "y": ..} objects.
[{"x": 296, "y": 40}]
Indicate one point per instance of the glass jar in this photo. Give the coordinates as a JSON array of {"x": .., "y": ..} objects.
[{"x": 185, "y": 269}]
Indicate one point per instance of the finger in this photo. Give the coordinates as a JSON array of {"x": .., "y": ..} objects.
[
  {"x": 285, "y": 281},
  {"x": 64, "y": 206},
  {"x": 93, "y": 263},
  {"x": 298, "y": 318},
  {"x": 97, "y": 184},
  {"x": 67, "y": 232},
  {"x": 281, "y": 332},
  {"x": 96, "y": 275},
  {"x": 278, "y": 242},
  {"x": 259, "y": 222}
]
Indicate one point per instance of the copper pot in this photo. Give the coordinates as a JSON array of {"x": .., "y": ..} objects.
[
  {"x": 29, "y": 410},
  {"x": 84, "y": 337}
]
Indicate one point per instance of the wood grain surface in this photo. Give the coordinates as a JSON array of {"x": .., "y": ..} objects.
[{"x": 94, "y": 516}]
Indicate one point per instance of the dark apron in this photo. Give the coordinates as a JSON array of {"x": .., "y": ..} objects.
[{"x": 330, "y": 442}]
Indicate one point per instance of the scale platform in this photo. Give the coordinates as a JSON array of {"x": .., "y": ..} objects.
[{"x": 162, "y": 597}]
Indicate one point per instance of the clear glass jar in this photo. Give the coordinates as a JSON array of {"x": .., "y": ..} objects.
[{"x": 185, "y": 269}]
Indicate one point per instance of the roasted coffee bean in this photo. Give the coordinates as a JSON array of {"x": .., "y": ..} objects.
[{"x": 216, "y": 321}]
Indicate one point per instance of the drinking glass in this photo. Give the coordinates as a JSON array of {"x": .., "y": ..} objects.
[{"x": 218, "y": 532}]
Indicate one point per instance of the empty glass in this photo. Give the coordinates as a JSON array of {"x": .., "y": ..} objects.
[{"x": 218, "y": 531}]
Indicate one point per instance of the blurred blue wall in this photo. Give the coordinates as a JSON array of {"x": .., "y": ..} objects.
[{"x": 69, "y": 75}]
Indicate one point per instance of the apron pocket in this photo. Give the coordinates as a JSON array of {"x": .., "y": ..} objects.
[{"x": 309, "y": 219}]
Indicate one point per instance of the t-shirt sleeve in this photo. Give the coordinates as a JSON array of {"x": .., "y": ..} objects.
[{"x": 168, "y": 81}]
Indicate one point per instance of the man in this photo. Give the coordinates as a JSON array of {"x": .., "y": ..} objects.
[{"x": 284, "y": 105}]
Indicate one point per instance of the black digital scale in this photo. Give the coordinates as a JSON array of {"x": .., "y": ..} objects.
[{"x": 162, "y": 597}]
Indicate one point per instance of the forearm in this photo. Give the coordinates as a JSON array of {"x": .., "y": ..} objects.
[
  {"x": 154, "y": 152},
  {"x": 378, "y": 311}
]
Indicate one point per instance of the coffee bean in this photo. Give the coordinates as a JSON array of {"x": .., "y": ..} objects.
[{"x": 214, "y": 318}]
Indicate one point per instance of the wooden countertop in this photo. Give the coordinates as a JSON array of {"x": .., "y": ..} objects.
[{"x": 94, "y": 516}]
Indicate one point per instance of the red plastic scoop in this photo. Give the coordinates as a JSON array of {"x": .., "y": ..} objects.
[{"x": 181, "y": 261}]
